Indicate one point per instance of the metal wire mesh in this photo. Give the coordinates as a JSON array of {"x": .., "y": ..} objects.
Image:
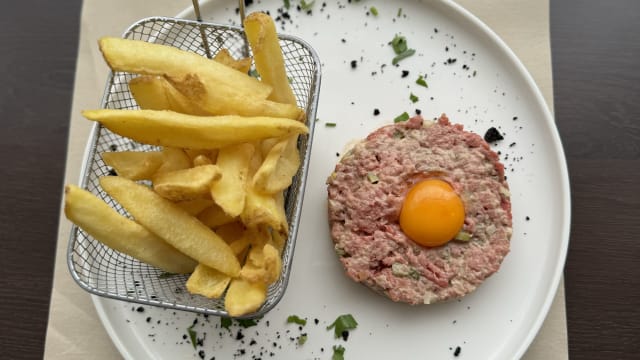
[{"x": 106, "y": 272}]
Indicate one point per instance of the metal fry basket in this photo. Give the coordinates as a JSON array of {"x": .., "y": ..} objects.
[{"x": 103, "y": 271}]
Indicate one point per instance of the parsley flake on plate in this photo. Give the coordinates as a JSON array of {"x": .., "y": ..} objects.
[{"x": 343, "y": 323}]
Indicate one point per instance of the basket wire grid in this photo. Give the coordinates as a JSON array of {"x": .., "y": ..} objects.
[{"x": 103, "y": 271}]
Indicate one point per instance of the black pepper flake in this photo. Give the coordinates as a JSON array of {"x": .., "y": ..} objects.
[
  {"x": 446, "y": 48},
  {"x": 184, "y": 337},
  {"x": 343, "y": 40},
  {"x": 376, "y": 112},
  {"x": 316, "y": 321},
  {"x": 456, "y": 353},
  {"x": 252, "y": 342},
  {"x": 527, "y": 218},
  {"x": 112, "y": 172},
  {"x": 149, "y": 319},
  {"x": 512, "y": 144},
  {"x": 418, "y": 111},
  {"x": 345, "y": 335},
  {"x": 354, "y": 64},
  {"x": 515, "y": 118},
  {"x": 201, "y": 354},
  {"x": 140, "y": 309},
  {"x": 239, "y": 335},
  {"x": 435, "y": 30},
  {"x": 113, "y": 147},
  {"x": 405, "y": 73},
  {"x": 492, "y": 135}
]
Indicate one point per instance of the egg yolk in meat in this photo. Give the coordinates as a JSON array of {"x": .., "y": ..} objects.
[{"x": 432, "y": 213}]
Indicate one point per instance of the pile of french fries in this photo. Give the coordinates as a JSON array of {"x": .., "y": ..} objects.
[{"x": 228, "y": 150}]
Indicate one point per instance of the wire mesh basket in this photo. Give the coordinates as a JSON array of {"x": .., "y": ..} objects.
[{"x": 103, "y": 271}]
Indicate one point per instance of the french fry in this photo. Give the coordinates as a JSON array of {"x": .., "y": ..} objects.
[
  {"x": 263, "y": 264},
  {"x": 229, "y": 192},
  {"x": 156, "y": 93},
  {"x": 278, "y": 240},
  {"x": 208, "y": 282},
  {"x": 172, "y": 224},
  {"x": 173, "y": 159},
  {"x": 168, "y": 128},
  {"x": 283, "y": 159},
  {"x": 214, "y": 216},
  {"x": 261, "y": 35},
  {"x": 134, "y": 165},
  {"x": 264, "y": 209},
  {"x": 195, "y": 206},
  {"x": 202, "y": 160},
  {"x": 224, "y": 57},
  {"x": 122, "y": 234},
  {"x": 186, "y": 184},
  {"x": 244, "y": 297},
  {"x": 146, "y": 58},
  {"x": 231, "y": 232},
  {"x": 279, "y": 166}
]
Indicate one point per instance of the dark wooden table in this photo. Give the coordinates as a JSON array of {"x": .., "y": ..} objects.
[{"x": 596, "y": 69}]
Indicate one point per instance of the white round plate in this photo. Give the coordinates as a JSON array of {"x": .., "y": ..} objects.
[{"x": 477, "y": 81}]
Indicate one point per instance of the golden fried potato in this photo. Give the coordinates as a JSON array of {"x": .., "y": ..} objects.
[
  {"x": 173, "y": 159},
  {"x": 172, "y": 224},
  {"x": 134, "y": 165},
  {"x": 201, "y": 160},
  {"x": 263, "y": 265},
  {"x": 264, "y": 209},
  {"x": 186, "y": 184},
  {"x": 279, "y": 166},
  {"x": 146, "y": 58},
  {"x": 156, "y": 93},
  {"x": 214, "y": 216},
  {"x": 208, "y": 282},
  {"x": 244, "y": 297},
  {"x": 106, "y": 225},
  {"x": 261, "y": 35},
  {"x": 224, "y": 57},
  {"x": 168, "y": 128},
  {"x": 195, "y": 206},
  {"x": 229, "y": 192}
]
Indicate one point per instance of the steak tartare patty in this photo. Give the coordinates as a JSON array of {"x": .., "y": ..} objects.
[{"x": 366, "y": 194}]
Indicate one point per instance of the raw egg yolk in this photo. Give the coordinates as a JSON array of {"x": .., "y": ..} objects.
[{"x": 432, "y": 213}]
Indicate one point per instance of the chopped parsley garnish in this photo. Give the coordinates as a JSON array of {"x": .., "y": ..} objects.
[
  {"x": 399, "y": 12},
  {"x": 306, "y": 5},
  {"x": 302, "y": 339},
  {"x": 192, "y": 335},
  {"x": 422, "y": 82},
  {"x": 374, "y": 11},
  {"x": 399, "y": 45},
  {"x": 165, "y": 275},
  {"x": 402, "y": 56},
  {"x": 330, "y": 124},
  {"x": 343, "y": 323},
  {"x": 397, "y": 134},
  {"x": 225, "y": 322},
  {"x": 402, "y": 117},
  {"x": 295, "y": 319},
  {"x": 413, "y": 98},
  {"x": 338, "y": 352},
  {"x": 287, "y": 4}
]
